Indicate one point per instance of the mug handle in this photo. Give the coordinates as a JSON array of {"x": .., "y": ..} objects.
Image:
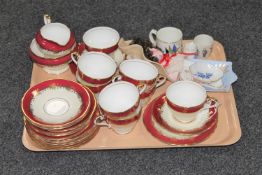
[
  {"x": 116, "y": 78},
  {"x": 101, "y": 121},
  {"x": 160, "y": 81},
  {"x": 152, "y": 37},
  {"x": 75, "y": 55},
  {"x": 47, "y": 19},
  {"x": 141, "y": 88}
]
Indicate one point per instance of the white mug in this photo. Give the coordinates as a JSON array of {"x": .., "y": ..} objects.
[
  {"x": 204, "y": 45},
  {"x": 166, "y": 38}
]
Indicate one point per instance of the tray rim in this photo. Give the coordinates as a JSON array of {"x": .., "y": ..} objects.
[{"x": 231, "y": 141}]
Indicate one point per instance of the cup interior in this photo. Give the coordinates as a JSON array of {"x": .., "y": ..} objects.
[
  {"x": 56, "y": 32},
  {"x": 203, "y": 40},
  {"x": 118, "y": 97},
  {"x": 138, "y": 69},
  {"x": 169, "y": 34},
  {"x": 206, "y": 72},
  {"x": 186, "y": 94},
  {"x": 96, "y": 65},
  {"x": 101, "y": 37}
]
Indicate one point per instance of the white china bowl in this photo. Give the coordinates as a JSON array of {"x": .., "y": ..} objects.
[
  {"x": 101, "y": 37},
  {"x": 96, "y": 65},
  {"x": 186, "y": 94},
  {"x": 205, "y": 72},
  {"x": 143, "y": 69},
  {"x": 56, "y": 32},
  {"x": 118, "y": 97}
]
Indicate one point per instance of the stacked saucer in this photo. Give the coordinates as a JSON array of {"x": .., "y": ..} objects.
[
  {"x": 52, "y": 47},
  {"x": 182, "y": 116},
  {"x": 59, "y": 114}
]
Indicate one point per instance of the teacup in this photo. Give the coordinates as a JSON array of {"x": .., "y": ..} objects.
[
  {"x": 101, "y": 39},
  {"x": 95, "y": 68},
  {"x": 186, "y": 97},
  {"x": 120, "y": 106},
  {"x": 204, "y": 45},
  {"x": 166, "y": 38},
  {"x": 205, "y": 72},
  {"x": 141, "y": 73}
]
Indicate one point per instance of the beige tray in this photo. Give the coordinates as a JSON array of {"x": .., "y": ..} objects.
[{"x": 227, "y": 132}]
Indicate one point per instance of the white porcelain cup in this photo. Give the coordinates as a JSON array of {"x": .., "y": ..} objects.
[
  {"x": 166, "y": 38},
  {"x": 204, "y": 45},
  {"x": 186, "y": 97},
  {"x": 101, "y": 39},
  {"x": 141, "y": 73},
  {"x": 95, "y": 67},
  {"x": 120, "y": 106}
]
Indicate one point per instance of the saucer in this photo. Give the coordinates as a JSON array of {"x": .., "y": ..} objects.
[
  {"x": 39, "y": 57},
  {"x": 56, "y": 104},
  {"x": 86, "y": 122},
  {"x": 166, "y": 118},
  {"x": 174, "y": 138}
]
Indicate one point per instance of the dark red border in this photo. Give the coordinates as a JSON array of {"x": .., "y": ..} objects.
[{"x": 83, "y": 93}]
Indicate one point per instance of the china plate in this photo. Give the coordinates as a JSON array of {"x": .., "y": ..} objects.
[{"x": 228, "y": 129}]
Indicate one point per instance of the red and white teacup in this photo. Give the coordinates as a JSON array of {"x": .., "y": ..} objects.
[
  {"x": 101, "y": 39},
  {"x": 186, "y": 97},
  {"x": 95, "y": 68},
  {"x": 120, "y": 106},
  {"x": 141, "y": 73}
]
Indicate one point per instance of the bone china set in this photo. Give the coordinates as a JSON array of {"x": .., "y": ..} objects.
[{"x": 62, "y": 114}]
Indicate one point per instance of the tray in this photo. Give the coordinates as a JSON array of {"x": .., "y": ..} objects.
[{"x": 228, "y": 130}]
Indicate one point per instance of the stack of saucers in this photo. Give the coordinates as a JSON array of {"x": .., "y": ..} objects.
[
  {"x": 59, "y": 114},
  {"x": 182, "y": 116},
  {"x": 52, "y": 47}
]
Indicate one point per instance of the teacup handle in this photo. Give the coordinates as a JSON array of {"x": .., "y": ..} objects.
[
  {"x": 141, "y": 88},
  {"x": 210, "y": 100},
  {"x": 47, "y": 19},
  {"x": 75, "y": 55},
  {"x": 160, "y": 81},
  {"x": 152, "y": 37},
  {"x": 101, "y": 121},
  {"x": 116, "y": 78}
]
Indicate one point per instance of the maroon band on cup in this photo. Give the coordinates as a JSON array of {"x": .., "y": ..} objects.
[
  {"x": 185, "y": 109},
  {"x": 147, "y": 94},
  {"x": 125, "y": 122},
  {"x": 122, "y": 114},
  {"x": 98, "y": 88},
  {"x": 92, "y": 80},
  {"x": 52, "y": 46},
  {"x": 136, "y": 82},
  {"x": 105, "y": 50}
]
